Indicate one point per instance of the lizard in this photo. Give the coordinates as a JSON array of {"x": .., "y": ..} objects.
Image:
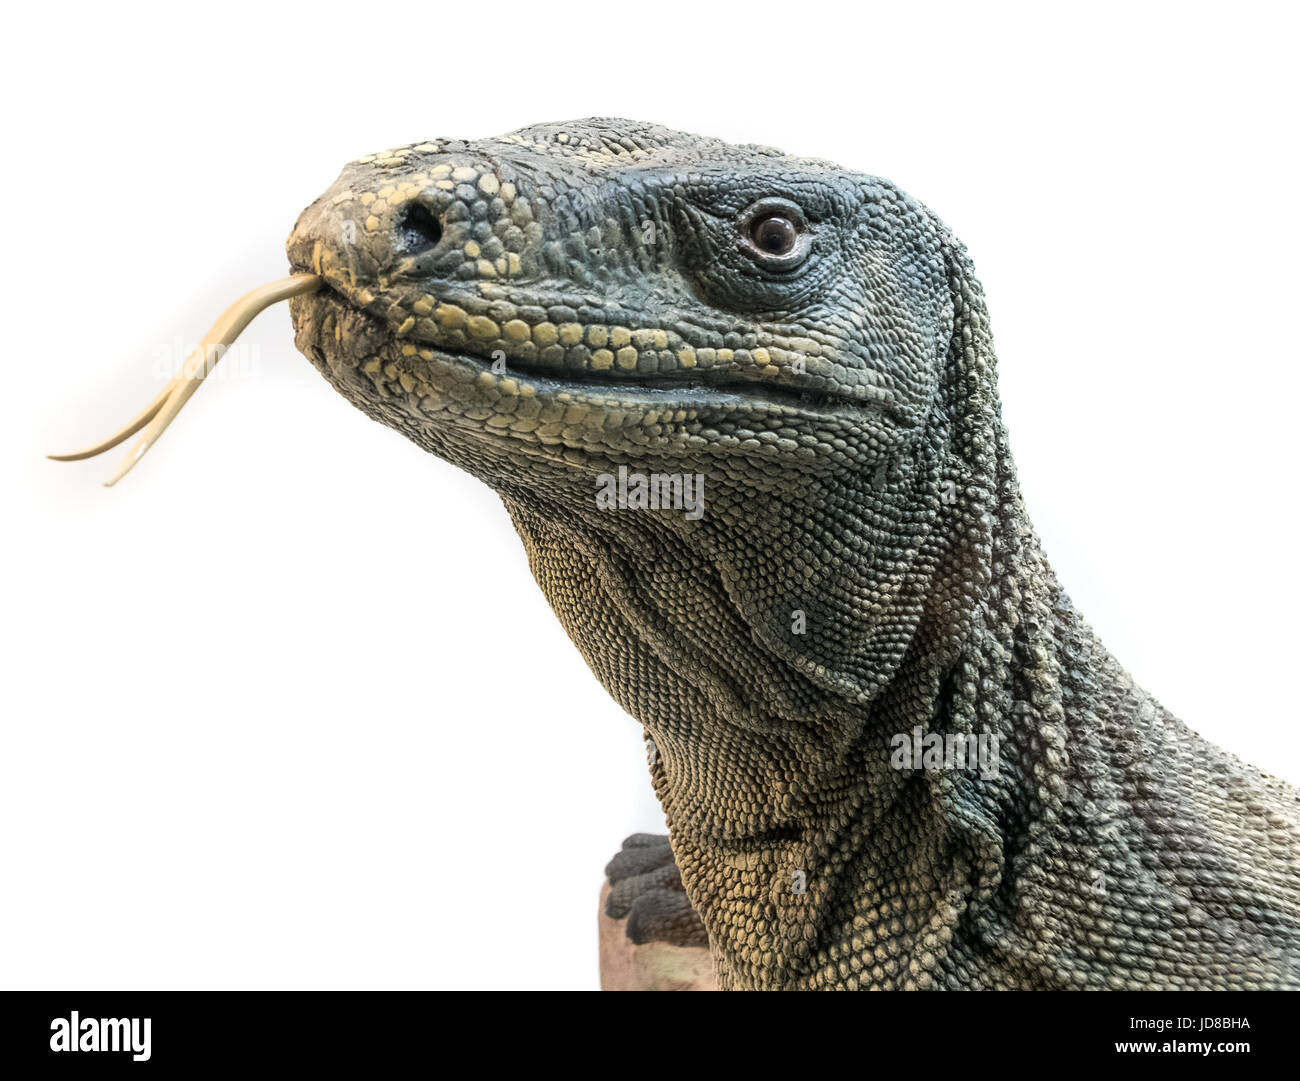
[{"x": 742, "y": 409}]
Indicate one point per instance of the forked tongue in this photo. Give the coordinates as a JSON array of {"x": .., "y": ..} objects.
[{"x": 163, "y": 409}]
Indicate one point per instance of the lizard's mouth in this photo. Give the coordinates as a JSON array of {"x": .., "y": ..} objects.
[{"x": 416, "y": 361}]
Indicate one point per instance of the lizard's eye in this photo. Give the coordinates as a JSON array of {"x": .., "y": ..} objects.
[{"x": 774, "y": 234}]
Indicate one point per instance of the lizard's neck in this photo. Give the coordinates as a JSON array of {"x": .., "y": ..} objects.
[{"x": 777, "y": 788}]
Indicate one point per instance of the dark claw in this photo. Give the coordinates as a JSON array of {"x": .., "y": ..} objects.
[{"x": 646, "y": 889}]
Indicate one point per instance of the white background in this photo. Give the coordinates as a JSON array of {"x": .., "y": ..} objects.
[{"x": 285, "y": 708}]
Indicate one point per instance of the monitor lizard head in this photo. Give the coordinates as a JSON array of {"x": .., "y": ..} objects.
[{"x": 609, "y": 289}]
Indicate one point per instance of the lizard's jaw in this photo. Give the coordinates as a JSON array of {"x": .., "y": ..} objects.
[{"x": 525, "y": 397}]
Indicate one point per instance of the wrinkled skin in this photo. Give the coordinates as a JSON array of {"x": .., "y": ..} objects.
[{"x": 864, "y": 566}]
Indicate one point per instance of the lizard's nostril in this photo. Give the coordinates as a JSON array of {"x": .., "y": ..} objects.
[{"x": 419, "y": 230}]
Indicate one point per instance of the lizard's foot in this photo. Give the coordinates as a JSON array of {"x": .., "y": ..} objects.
[
  {"x": 646, "y": 890},
  {"x": 650, "y": 937}
]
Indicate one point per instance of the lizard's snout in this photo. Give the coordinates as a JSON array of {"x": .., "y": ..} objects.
[{"x": 417, "y": 216}]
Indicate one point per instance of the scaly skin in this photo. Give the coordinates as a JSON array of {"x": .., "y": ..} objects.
[{"x": 844, "y": 414}]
